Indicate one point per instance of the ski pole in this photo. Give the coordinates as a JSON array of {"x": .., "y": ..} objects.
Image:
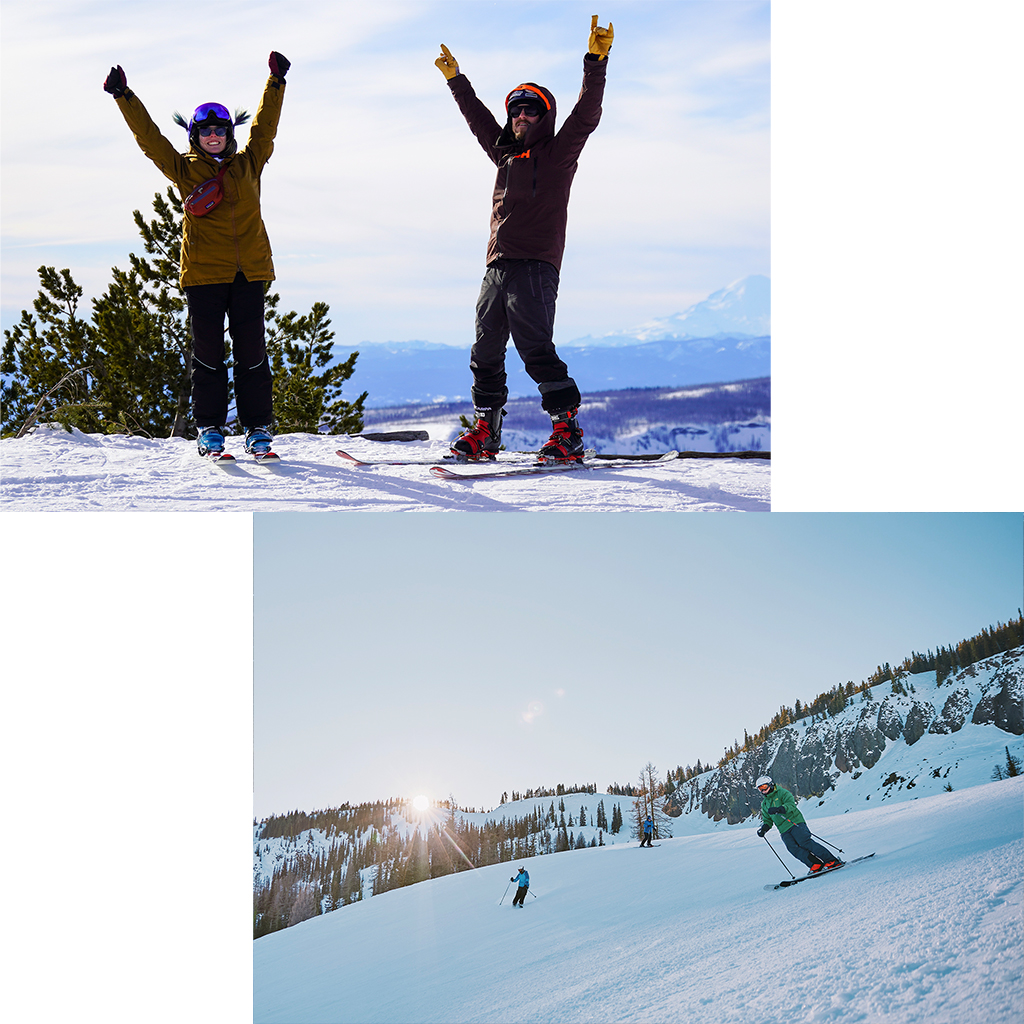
[
  {"x": 827, "y": 843},
  {"x": 780, "y": 860},
  {"x": 532, "y": 893},
  {"x": 504, "y": 894}
]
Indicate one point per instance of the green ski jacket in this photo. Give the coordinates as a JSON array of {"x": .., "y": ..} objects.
[{"x": 779, "y": 808}]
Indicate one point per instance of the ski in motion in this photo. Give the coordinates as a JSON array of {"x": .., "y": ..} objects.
[
  {"x": 590, "y": 462},
  {"x": 817, "y": 874}
]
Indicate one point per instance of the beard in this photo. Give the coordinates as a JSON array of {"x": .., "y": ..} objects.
[{"x": 520, "y": 132}]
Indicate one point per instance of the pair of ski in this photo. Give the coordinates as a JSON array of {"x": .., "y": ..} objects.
[
  {"x": 227, "y": 459},
  {"x": 817, "y": 874},
  {"x": 590, "y": 461}
]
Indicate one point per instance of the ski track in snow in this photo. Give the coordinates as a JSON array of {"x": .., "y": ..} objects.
[
  {"x": 927, "y": 931},
  {"x": 52, "y": 470}
]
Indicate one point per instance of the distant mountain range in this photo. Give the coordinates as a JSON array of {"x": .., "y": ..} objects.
[
  {"x": 740, "y": 310},
  {"x": 725, "y": 337},
  {"x": 420, "y": 372}
]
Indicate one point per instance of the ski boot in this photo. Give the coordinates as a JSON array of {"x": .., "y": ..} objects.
[
  {"x": 210, "y": 441},
  {"x": 483, "y": 439},
  {"x": 258, "y": 440},
  {"x": 566, "y": 441}
]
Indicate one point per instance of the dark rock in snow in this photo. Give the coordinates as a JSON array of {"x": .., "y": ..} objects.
[
  {"x": 954, "y": 713},
  {"x": 1003, "y": 703},
  {"x": 862, "y": 745},
  {"x": 918, "y": 719},
  {"x": 889, "y": 720}
]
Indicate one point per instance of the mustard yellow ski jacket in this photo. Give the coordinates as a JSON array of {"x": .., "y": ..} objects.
[{"x": 231, "y": 237}]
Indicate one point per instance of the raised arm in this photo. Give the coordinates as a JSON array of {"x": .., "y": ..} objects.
[
  {"x": 147, "y": 135},
  {"x": 481, "y": 121},
  {"x": 586, "y": 115},
  {"x": 268, "y": 114}
]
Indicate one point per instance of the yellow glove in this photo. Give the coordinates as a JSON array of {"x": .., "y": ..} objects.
[
  {"x": 600, "y": 38},
  {"x": 447, "y": 63}
]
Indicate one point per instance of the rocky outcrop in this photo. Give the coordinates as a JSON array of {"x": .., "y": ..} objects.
[
  {"x": 919, "y": 717},
  {"x": 954, "y": 713},
  {"x": 889, "y": 721},
  {"x": 863, "y": 745},
  {"x": 1003, "y": 703},
  {"x": 809, "y": 758}
]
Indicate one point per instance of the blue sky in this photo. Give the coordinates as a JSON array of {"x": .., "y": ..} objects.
[
  {"x": 480, "y": 653},
  {"x": 377, "y": 198}
]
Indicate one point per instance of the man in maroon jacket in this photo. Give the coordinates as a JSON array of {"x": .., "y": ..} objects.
[{"x": 536, "y": 166}]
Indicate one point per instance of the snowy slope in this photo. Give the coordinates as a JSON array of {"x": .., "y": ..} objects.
[
  {"x": 928, "y": 931},
  {"x": 52, "y": 470},
  {"x": 875, "y": 768}
]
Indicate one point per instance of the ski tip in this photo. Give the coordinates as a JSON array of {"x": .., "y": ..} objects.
[
  {"x": 349, "y": 458},
  {"x": 267, "y": 457},
  {"x": 443, "y": 472}
]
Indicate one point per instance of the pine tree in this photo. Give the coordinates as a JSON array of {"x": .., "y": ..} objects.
[
  {"x": 49, "y": 365},
  {"x": 307, "y": 388},
  {"x": 616, "y": 820},
  {"x": 129, "y": 369}
]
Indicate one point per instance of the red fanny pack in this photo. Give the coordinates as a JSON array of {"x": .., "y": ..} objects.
[{"x": 206, "y": 196}]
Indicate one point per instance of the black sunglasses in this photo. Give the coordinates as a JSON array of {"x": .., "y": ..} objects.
[{"x": 219, "y": 132}]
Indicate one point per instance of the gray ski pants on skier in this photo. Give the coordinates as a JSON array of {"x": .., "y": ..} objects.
[{"x": 799, "y": 842}]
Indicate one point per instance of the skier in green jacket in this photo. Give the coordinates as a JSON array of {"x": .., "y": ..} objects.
[{"x": 778, "y": 808}]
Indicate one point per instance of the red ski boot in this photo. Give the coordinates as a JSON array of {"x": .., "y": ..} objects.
[
  {"x": 566, "y": 441},
  {"x": 483, "y": 440}
]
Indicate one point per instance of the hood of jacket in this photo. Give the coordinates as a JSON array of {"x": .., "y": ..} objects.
[{"x": 544, "y": 128}]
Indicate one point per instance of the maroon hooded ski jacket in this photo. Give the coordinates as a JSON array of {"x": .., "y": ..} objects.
[{"x": 531, "y": 191}]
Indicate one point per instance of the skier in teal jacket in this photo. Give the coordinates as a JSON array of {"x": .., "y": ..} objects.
[
  {"x": 523, "y": 881},
  {"x": 778, "y": 808}
]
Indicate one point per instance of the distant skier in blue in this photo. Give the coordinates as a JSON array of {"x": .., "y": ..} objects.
[
  {"x": 523, "y": 881},
  {"x": 778, "y": 807},
  {"x": 648, "y": 832}
]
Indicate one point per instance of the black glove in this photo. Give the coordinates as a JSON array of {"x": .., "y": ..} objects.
[
  {"x": 116, "y": 83},
  {"x": 513, "y": 878},
  {"x": 279, "y": 64},
  {"x": 764, "y": 830}
]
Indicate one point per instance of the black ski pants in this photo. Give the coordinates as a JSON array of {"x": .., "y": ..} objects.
[
  {"x": 517, "y": 297},
  {"x": 801, "y": 845},
  {"x": 520, "y": 896},
  {"x": 242, "y": 301}
]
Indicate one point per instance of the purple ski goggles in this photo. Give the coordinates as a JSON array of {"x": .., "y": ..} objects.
[{"x": 207, "y": 110}]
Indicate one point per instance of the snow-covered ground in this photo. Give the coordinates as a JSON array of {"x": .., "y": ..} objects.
[
  {"x": 52, "y": 470},
  {"x": 929, "y": 930}
]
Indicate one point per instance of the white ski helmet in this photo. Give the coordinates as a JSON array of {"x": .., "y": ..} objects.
[{"x": 765, "y": 780}]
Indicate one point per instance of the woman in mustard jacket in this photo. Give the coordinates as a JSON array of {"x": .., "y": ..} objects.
[{"x": 225, "y": 251}]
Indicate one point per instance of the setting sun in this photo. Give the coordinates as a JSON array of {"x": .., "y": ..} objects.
[{"x": 421, "y": 803}]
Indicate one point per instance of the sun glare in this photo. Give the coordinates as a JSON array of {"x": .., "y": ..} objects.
[{"x": 421, "y": 803}]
